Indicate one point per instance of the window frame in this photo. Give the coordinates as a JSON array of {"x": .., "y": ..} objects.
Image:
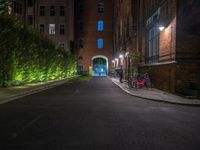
[
  {"x": 62, "y": 29},
  {"x": 52, "y": 29},
  {"x": 100, "y": 7},
  {"x": 100, "y": 25},
  {"x": 42, "y": 10},
  {"x": 52, "y": 11},
  {"x": 62, "y": 11},
  {"x": 100, "y": 43}
]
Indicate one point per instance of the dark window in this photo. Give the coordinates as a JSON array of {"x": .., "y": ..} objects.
[
  {"x": 62, "y": 11},
  {"x": 30, "y": 19},
  {"x": 52, "y": 11},
  {"x": 20, "y": 8},
  {"x": 30, "y": 3},
  {"x": 42, "y": 28},
  {"x": 42, "y": 10},
  {"x": 80, "y": 43},
  {"x": 100, "y": 7},
  {"x": 81, "y": 26},
  {"x": 62, "y": 29},
  {"x": 17, "y": 7},
  {"x": 81, "y": 7}
]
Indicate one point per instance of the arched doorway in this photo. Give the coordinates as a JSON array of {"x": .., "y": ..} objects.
[{"x": 99, "y": 65}]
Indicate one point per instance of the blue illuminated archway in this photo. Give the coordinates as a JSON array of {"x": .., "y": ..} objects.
[{"x": 99, "y": 65}]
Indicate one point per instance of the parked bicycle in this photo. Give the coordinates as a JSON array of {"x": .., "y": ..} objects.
[{"x": 141, "y": 80}]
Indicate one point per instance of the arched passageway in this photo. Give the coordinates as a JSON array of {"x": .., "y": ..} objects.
[{"x": 99, "y": 66}]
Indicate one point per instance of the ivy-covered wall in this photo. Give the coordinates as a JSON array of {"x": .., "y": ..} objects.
[{"x": 27, "y": 56}]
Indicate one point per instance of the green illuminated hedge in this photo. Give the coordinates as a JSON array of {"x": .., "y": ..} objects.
[{"x": 27, "y": 56}]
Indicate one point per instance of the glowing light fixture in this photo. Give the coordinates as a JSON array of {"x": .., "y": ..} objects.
[
  {"x": 161, "y": 28},
  {"x": 121, "y": 56},
  {"x": 127, "y": 53}
]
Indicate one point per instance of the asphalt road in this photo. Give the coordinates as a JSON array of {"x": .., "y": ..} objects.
[{"x": 96, "y": 115}]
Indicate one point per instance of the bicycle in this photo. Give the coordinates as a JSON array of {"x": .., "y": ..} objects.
[{"x": 139, "y": 81}]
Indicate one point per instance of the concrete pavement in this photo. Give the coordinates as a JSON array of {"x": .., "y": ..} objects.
[{"x": 155, "y": 94}]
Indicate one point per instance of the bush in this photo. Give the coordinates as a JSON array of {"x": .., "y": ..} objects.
[{"x": 27, "y": 56}]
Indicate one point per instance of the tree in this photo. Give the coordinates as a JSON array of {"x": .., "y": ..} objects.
[{"x": 3, "y": 7}]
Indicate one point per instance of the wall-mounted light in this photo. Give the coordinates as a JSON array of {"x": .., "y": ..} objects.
[
  {"x": 121, "y": 56},
  {"x": 161, "y": 28},
  {"x": 116, "y": 59},
  {"x": 113, "y": 61},
  {"x": 126, "y": 54}
]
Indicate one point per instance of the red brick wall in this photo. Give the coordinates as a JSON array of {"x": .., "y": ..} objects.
[{"x": 89, "y": 17}]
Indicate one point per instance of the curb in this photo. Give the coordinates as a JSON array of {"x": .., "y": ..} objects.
[
  {"x": 158, "y": 100},
  {"x": 33, "y": 91}
]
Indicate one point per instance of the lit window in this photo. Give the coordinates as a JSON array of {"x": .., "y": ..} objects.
[
  {"x": 100, "y": 7},
  {"x": 52, "y": 29},
  {"x": 100, "y": 43},
  {"x": 100, "y": 26}
]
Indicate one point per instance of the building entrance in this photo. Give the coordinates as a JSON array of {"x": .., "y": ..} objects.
[{"x": 99, "y": 66}]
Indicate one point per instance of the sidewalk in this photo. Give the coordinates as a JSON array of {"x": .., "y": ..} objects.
[
  {"x": 12, "y": 93},
  {"x": 155, "y": 94}
]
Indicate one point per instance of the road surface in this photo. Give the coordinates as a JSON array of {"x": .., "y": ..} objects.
[{"x": 96, "y": 115}]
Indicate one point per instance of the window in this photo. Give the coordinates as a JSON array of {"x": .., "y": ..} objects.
[
  {"x": 100, "y": 43},
  {"x": 52, "y": 11},
  {"x": 153, "y": 45},
  {"x": 52, "y": 29},
  {"x": 100, "y": 7},
  {"x": 81, "y": 26},
  {"x": 81, "y": 7},
  {"x": 41, "y": 28},
  {"x": 62, "y": 29},
  {"x": 17, "y": 7},
  {"x": 42, "y": 10},
  {"x": 62, "y": 11},
  {"x": 30, "y": 3},
  {"x": 30, "y": 20},
  {"x": 80, "y": 43},
  {"x": 100, "y": 26}
]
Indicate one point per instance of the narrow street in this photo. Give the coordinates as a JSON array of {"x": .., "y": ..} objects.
[{"x": 96, "y": 115}]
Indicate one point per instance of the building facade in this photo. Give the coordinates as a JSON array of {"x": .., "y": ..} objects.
[
  {"x": 93, "y": 36},
  {"x": 166, "y": 35},
  {"x": 52, "y": 18}
]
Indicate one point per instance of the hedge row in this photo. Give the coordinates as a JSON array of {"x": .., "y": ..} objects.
[{"x": 27, "y": 56}]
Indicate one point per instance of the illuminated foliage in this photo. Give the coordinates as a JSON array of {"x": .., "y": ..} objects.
[{"x": 27, "y": 56}]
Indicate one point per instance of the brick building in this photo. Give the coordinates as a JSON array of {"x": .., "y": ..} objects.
[
  {"x": 93, "y": 35},
  {"x": 50, "y": 17},
  {"x": 166, "y": 33},
  {"x": 124, "y": 34}
]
